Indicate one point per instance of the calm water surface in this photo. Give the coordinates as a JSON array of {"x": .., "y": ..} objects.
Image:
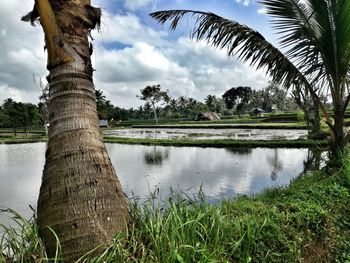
[{"x": 143, "y": 169}]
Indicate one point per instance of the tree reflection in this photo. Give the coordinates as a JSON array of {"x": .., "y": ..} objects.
[
  {"x": 276, "y": 164},
  {"x": 239, "y": 151},
  {"x": 156, "y": 156},
  {"x": 314, "y": 159}
]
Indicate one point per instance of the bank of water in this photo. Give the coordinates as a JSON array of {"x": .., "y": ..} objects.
[{"x": 222, "y": 173}]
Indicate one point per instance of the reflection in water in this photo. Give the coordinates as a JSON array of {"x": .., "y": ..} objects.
[
  {"x": 218, "y": 170},
  {"x": 239, "y": 151},
  {"x": 21, "y": 167},
  {"x": 143, "y": 169},
  {"x": 276, "y": 165},
  {"x": 315, "y": 159},
  {"x": 156, "y": 156}
]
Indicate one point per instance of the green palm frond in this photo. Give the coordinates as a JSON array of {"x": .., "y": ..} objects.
[
  {"x": 317, "y": 34},
  {"x": 246, "y": 43}
]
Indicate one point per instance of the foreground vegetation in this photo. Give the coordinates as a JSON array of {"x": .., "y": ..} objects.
[{"x": 305, "y": 222}]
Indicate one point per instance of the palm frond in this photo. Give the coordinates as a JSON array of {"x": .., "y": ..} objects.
[
  {"x": 298, "y": 23},
  {"x": 246, "y": 43},
  {"x": 317, "y": 33}
]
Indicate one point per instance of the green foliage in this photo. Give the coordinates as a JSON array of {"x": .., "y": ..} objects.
[
  {"x": 300, "y": 116},
  {"x": 154, "y": 95},
  {"x": 220, "y": 142},
  {"x": 214, "y": 104},
  {"x": 18, "y": 115},
  {"x": 239, "y": 96},
  {"x": 20, "y": 242}
]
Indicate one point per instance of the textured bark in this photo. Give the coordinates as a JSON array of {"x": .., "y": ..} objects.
[
  {"x": 338, "y": 142},
  {"x": 80, "y": 196}
]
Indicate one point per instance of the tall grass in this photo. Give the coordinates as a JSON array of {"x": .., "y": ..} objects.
[{"x": 20, "y": 242}]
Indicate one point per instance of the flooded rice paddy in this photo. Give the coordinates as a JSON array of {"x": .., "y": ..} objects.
[
  {"x": 222, "y": 173},
  {"x": 201, "y": 134}
]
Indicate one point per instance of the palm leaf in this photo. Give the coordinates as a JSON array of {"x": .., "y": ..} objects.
[
  {"x": 246, "y": 43},
  {"x": 317, "y": 33}
]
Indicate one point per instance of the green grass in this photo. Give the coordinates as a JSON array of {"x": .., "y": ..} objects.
[
  {"x": 307, "y": 220},
  {"x": 218, "y": 125},
  {"x": 20, "y": 140},
  {"x": 220, "y": 142},
  {"x": 288, "y": 118},
  {"x": 20, "y": 242},
  {"x": 217, "y": 143}
]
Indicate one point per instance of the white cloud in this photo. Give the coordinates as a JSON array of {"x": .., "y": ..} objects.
[
  {"x": 126, "y": 29},
  {"x": 136, "y": 4},
  {"x": 22, "y": 48},
  {"x": 128, "y": 56},
  {"x": 244, "y": 2},
  {"x": 262, "y": 11},
  {"x": 184, "y": 67}
]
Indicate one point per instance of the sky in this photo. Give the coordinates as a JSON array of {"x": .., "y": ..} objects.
[{"x": 132, "y": 51}]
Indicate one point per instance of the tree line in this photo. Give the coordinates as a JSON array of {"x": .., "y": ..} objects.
[
  {"x": 17, "y": 115},
  {"x": 235, "y": 101}
]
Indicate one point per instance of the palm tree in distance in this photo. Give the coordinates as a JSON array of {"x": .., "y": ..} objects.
[{"x": 316, "y": 37}]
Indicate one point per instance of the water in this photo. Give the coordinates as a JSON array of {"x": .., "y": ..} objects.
[
  {"x": 144, "y": 169},
  {"x": 200, "y": 134}
]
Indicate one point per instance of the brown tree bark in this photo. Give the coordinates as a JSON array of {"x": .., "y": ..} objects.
[
  {"x": 338, "y": 140},
  {"x": 80, "y": 196}
]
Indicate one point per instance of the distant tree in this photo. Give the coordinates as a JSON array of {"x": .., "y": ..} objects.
[
  {"x": 211, "y": 101},
  {"x": 19, "y": 115},
  {"x": 105, "y": 109},
  {"x": 276, "y": 94},
  {"x": 153, "y": 95},
  {"x": 239, "y": 95},
  {"x": 13, "y": 116},
  {"x": 269, "y": 96},
  {"x": 182, "y": 105},
  {"x": 173, "y": 105},
  {"x": 31, "y": 116}
]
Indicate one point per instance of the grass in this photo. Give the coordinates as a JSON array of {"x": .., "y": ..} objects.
[
  {"x": 217, "y": 143},
  {"x": 220, "y": 125},
  {"x": 20, "y": 140},
  {"x": 220, "y": 142},
  {"x": 20, "y": 242},
  {"x": 305, "y": 222},
  {"x": 7, "y": 136}
]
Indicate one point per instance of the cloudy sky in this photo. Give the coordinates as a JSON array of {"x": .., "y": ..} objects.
[{"x": 133, "y": 51}]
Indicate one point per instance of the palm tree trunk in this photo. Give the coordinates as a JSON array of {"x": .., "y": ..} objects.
[
  {"x": 314, "y": 121},
  {"x": 80, "y": 196},
  {"x": 339, "y": 140}
]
